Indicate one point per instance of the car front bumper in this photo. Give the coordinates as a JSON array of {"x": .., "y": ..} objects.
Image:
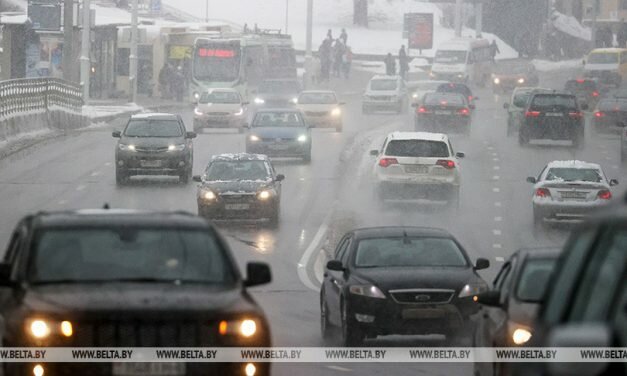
[
  {"x": 218, "y": 121},
  {"x": 285, "y": 149},
  {"x": 167, "y": 163},
  {"x": 248, "y": 207},
  {"x": 565, "y": 210}
]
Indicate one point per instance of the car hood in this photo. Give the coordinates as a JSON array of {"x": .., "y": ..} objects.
[
  {"x": 317, "y": 107},
  {"x": 133, "y": 297},
  {"x": 417, "y": 278},
  {"x": 522, "y": 313},
  {"x": 242, "y": 186},
  {"x": 278, "y": 132},
  {"x": 381, "y": 92},
  {"x": 152, "y": 142},
  {"x": 278, "y": 96},
  {"x": 219, "y": 107}
]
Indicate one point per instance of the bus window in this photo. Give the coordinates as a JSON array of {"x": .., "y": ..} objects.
[
  {"x": 253, "y": 55},
  {"x": 219, "y": 63}
]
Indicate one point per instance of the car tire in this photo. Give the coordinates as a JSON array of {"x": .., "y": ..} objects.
[
  {"x": 185, "y": 176},
  {"x": 121, "y": 177},
  {"x": 275, "y": 217},
  {"x": 352, "y": 335},
  {"x": 307, "y": 157},
  {"x": 326, "y": 328},
  {"x": 522, "y": 139}
]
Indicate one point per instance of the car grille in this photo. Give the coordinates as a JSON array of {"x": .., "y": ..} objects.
[
  {"x": 277, "y": 139},
  {"x": 381, "y": 97},
  {"x": 143, "y": 334},
  {"x": 316, "y": 113},
  {"x": 238, "y": 198},
  {"x": 152, "y": 150},
  {"x": 218, "y": 113},
  {"x": 422, "y": 296}
]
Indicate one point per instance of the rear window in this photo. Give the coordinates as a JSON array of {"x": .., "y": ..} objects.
[
  {"x": 603, "y": 58},
  {"x": 533, "y": 279},
  {"x": 542, "y": 102},
  {"x": 435, "y": 99},
  {"x": 417, "y": 148},
  {"x": 408, "y": 251},
  {"x": 574, "y": 174},
  {"x": 153, "y": 128},
  {"x": 575, "y": 85},
  {"x": 383, "y": 84},
  {"x": 454, "y": 88}
]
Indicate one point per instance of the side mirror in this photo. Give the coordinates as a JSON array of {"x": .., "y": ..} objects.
[
  {"x": 190, "y": 135},
  {"x": 335, "y": 265},
  {"x": 197, "y": 178},
  {"x": 579, "y": 335},
  {"x": 613, "y": 182},
  {"x": 5, "y": 274},
  {"x": 116, "y": 134},
  {"x": 460, "y": 154},
  {"x": 280, "y": 177},
  {"x": 506, "y": 106},
  {"x": 257, "y": 273},
  {"x": 374, "y": 153},
  {"x": 531, "y": 180},
  {"x": 584, "y": 106},
  {"x": 482, "y": 263},
  {"x": 490, "y": 298},
  {"x": 472, "y": 106}
]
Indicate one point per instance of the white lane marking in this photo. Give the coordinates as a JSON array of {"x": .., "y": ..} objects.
[
  {"x": 500, "y": 259},
  {"x": 81, "y": 187},
  {"x": 496, "y": 177},
  {"x": 497, "y": 246},
  {"x": 495, "y": 154},
  {"x": 338, "y": 368},
  {"x": 95, "y": 173},
  {"x": 498, "y": 219},
  {"x": 496, "y": 190},
  {"x": 496, "y": 232},
  {"x": 497, "y": 204},
  {"x": 107, "y": 164},
  {"x": 496, "y": 168},
  {"x": 495, "y": 159},
  {"x": 313, "y": 246},
  {"x": 62, "y": 202}
]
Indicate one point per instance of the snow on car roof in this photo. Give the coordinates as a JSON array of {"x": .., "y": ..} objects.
[
  {"x": 239, "y": 157},
  {"x": 573, "y": 164},
  {"x": 152, "y": 114},
  {"x": 427, "y": 136},
  {"x": 384, "y": 77},
  {"x": 317, "y": 92}
]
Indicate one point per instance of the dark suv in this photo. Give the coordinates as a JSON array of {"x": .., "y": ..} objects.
[
  {"x": 154, "y": 144},
  {"x": 553, "y": 116},
  {"x": 122, "y": 278},
  {"x": 587, "y": 90}
]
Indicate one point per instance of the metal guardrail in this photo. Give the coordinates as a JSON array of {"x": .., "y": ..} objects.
[{"x": 21, "y": 96}]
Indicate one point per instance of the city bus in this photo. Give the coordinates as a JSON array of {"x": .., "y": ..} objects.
[{"x": 464, "y": 60}]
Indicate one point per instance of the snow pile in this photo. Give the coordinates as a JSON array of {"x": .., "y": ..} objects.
[
  {"x": 569, "y": 25},
  {"x": 94, "y": 112}
]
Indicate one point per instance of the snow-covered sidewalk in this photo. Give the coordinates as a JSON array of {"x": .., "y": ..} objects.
[{"x": 95, "y": 112}]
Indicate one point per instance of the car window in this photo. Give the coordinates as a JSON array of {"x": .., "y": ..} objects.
[
  {"x": 383, "y": 85},
  {"x": 500, "y": 277},
  {"x": 417, "y": 148},
  {"x": 278, "y": 119},
  {"x": 317, "y": 98},
  {"x": 237, "y": 170},
  {"x": 153, "y": 128},
  {"x": 603, "y": 58},
  {"x": 439, "y": 99},
  {"x": 574, "y": 174},
  {"x": 549, "y": 101},
  {"x": 14, "y": 246},
  {"x": 521, "y": 98},
  {"x": 408, "y": 251},
  {"x": 339, "y": 253},
  {"x": 533, "y": 279},
  {"x": 97, "y": 254},
  {"x": 220, "y": 97}
]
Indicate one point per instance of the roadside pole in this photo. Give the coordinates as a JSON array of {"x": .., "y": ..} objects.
[
  {"x": 478, "y": 19},
  {"x": 308, "y": 42},
  {"x": 85, "y": 50},
  {"x": 68, "y": 33},
  {"x": 133, "y": 54},
  {"x": 458, "y": 17}
]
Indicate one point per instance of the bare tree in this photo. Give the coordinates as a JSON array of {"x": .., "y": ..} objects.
[{"x": 360, "y": 12}]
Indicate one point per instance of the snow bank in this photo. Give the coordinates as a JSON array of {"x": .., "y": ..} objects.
[
  {"x": 94, "y": 112},
  {"x": 570, "y": 26}
]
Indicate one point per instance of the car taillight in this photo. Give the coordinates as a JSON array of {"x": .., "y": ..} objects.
[
  {"x": 605, "y": 194},
  {"x": 386, "y": 162},
  {"x": 575, "y": 114},
  {"x": 470, "y": 98},
  {"x": 543, "y": 192},
  {"x": 599, "y": 114},
  {"x": 532, "y": 113},
  {"x": 580, "y": 81},
  {"x": 422, "y": 110},
  {"x": 463, "y": 112},
  {"x": 446, "y": 163},
  {"x": 595, "y": 93}
]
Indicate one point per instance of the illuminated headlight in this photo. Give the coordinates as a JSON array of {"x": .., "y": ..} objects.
[
  {"x": 518, "y": 333},
  {"x": 198, "y": 112},
  {"x": 472, "y": 290},
  {"x": 245, "y": 328},
  {"x": 196, "y": 95},
  {"x": 208, "y": 195},
  {"x": 264, "y": 195},
  {"x": 239, "y": 112},
  {"x": 370, "y": 291},
  {"x": 415, "y": 95},
  {"x": 254, "y": 138},
  {"x": 460, "y": 75},
  {"x": 41, "y": 329},
  {"x": 521, "y": 80},
  {"x": 38, "y": 370},
  {"x": 259, "y": 101},
  {"x": 176, "y": 147},
  {"x": 302, "y": 138},
  {"x": 497, "y": 80},
  {"x": 125, "y": 147},
  {"x": 294, "y": 100},
  {"x": 250, "y": 369},
  {"x": 336, "y": 112}
]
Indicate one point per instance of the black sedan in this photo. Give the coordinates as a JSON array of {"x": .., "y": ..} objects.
[
  {"x": 122, "y": 278},
  {"x": 440, "y": 110},
  {"x": 513, "y": 302},
  {"x": 610, "y": 114},
  {"x": 240, "y": 186},
  {"x": 400, "y": 280}
]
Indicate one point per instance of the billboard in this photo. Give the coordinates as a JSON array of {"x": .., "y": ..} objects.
[
  {"x": 419, "y": 30},
  {"x": 45, "y": 15}
]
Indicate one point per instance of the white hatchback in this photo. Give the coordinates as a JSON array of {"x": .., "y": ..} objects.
[
  {"x": 416, "y": 166},
  {"x": 220, "y": 108}
]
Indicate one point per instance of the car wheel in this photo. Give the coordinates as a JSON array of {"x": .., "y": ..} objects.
[
  {"x": 352, "y": 335},
  {"x": 185, "y": 176},
  {"x": 307, "y": 157},
  {"x": 326, "y": 328},
  {"x": 121, "y": 177},
  {"x": 338, "y": 129},
  {"x": 274, "y": 217}
]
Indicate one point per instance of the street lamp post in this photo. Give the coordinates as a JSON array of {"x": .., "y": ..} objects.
[
  {"x": 133, "y": 54},
  {"x": 287, "y": 13},
  {"x": 85, "y": 50},
  {"x": 308, "y": 43}
]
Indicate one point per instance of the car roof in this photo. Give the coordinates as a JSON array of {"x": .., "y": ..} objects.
[
  {"x": 427, "y": 136},
  {"x": 239, "y": 157},
  {"x": 155, "y": 115},
  {"x": 573, "y": 164},
  {"x": 317, "y": 92},
  {"x": 119, "y": 217},
  {"x": 397, "y": 231},
  {"x": 279, "y": 109},
  {"x": 539, "y": 252}
]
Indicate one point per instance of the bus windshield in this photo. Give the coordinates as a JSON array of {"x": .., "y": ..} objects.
[
  {"x": 216, "y": 63},
  {"x": 450, "y": 57}
]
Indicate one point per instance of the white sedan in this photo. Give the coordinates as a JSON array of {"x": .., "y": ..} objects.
[
  {"x": 220, "y": 108},
  {"x": 321, "y": 108}
]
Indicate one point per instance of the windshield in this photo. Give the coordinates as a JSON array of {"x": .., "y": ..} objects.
[
  {"x": 435, "y": 99},
  {"x": 521, "y": 98},
  {"x": 278, "y": 119},
  {"x": 408, "y": 252},
  {"x": 219, "y": 63},
  {"x": 220, "y": 97},
  {"x": 417, "y": 149},
  {"x": 383, "y": 85},
  {"x": 550, "y": 101},
  {"x": 279, "y": 87},
  {"x": 153, "y": 128},
  {"x": 603, "y": 58},
  {"x": 101, "y": 254},
  {"x": 533, "y": 279},
  {"x": 237, "y": 170},
  {"x": 450, "y": 57},
  {"x": 317, "y": 98},
  {"x": 574, "y": 174}
]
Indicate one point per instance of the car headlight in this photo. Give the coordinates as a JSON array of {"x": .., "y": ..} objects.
[
  {"x": 497, "y": 80},
  {"x": 521, "y": 80},
  {"x": 259, "y": 101},
  {"x": 302, "y": 138},
  {"x": 295, "y": 100},
  {"x": 460, "y": 75},
  {"x": 208, "y": 195},
  {"x": 40, "y": 329},
  {"x": 196, "y": 95},
  {"x": 254, "y": 138},
  {"x": 125, "y": 147},
  {"x": 176, "y": 147},
  {"x": 198, "y": 112},
  {"x": 245, "y": 328},
  {"x": 415, "y": 96},
  {"x": 336, "y": 112},
  {"x": 472, "y": 290},
  {"x": 370, "y": 291},
  {"x": 264, "y": 195},
  {"x": 239, "y": 112},
  {"x": 518, "y": 333}
]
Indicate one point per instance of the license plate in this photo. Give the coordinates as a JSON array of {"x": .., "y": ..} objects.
[
  {"x": 422, "y": 313},
  {"x": 443, "y": 112},
  {"x": 418, "y": 169},
  {"x": 237, "y": 206},
  {"x": 576, "y": 195},
  {"x": 148, "y": 369},
  {"x": 554, "y": 114},
  {"x": 278, "y": 147},
  {"x": 155, "y": 163}
]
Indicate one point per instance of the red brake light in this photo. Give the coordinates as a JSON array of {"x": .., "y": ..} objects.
[
  {"x": 595, "y": 93},
  {"x": 532, "y": 113},
  {"x": 463, "y": 111},
  {"x": 575, "y": 114},
  {"x": 446, "y": 163},
  {"x": 422, "y": 110},
  {"x": 443, "y": 103},
  {"x": 469, "y": 98},
  {"x": 580, "y": 81},
  {"x": 605, "y": 194},
  {"x": 543, "y": 192},
  {"x": 386, "y": 162},
  {"x": 599, "y": 114}
]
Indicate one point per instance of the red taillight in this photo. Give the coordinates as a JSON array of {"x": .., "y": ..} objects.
[
  {"x": 575, "y": 114},
  {"x": 543, "y": 192},
  {"x": 595, "y": 93},
  {"x": 470, "y": 98},
  {"x": 532, "y": 113},
  {"x": 580, "y": 81},
  {"x": 443, "y": 103},
  {"x": 386, "y": 162},
  {"x": 599, "y": 114},
  {"x": 605, "y": 194},
  {"x": 422, "y": 110},
  {"x": 463, "y": 112},
  {"x": 446, "y": 163}
]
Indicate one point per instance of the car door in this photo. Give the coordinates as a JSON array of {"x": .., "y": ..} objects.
[
  {"x": 333, "y": 283},
  {"x": 275, "y": 183},
  {"x": 10, "y": 256},
  {"x": 495, "y": 318}
]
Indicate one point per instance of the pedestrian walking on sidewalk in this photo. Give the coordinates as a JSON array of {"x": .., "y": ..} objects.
[
  {"x": 344, "y": 37},
  {"x": 165, "y": 77},
  {"x": 403, "y": 62},
  {"x": 347, "y": 60}
]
